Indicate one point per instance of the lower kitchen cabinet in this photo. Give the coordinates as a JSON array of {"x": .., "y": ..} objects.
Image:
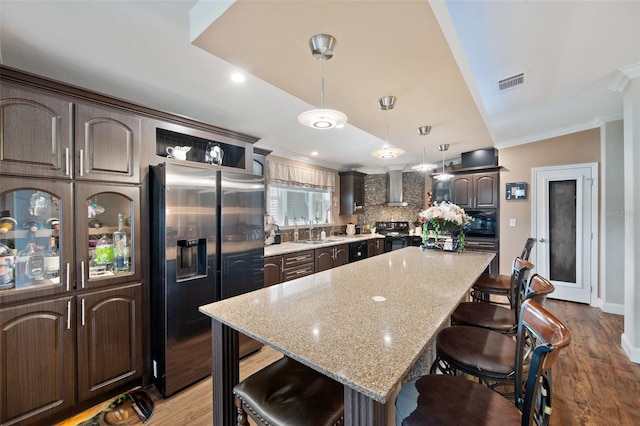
[
  {"x": 272, "y": 270},
  {"x": 375, "y": 247},
  {"x": 298, "y": 264},
  {"x": 331, "y": 257},
  {"x": 278, "y": 269},
  {"x": 109, "y": 339},
  {"x": 92, "y": 340},
  {"x": 37, "y": 357}
]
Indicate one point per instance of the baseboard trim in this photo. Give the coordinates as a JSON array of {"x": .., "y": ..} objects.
[
  {"x": 612, "y": 308},
  {"x": 633, "y": 352}
]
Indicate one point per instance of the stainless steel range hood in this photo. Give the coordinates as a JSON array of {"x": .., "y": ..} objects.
[{"x": 394, "y": 179}]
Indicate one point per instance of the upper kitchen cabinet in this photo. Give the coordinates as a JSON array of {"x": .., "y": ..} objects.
[
  {"x": 476, "y": 190},
  {"x": 36, "y": 132},
  {"x": 107, "y": 235},
  {"x": 107, "y": 144},
  {"x": 351, "y": 192},
  {"x": 36, "y": 238}
]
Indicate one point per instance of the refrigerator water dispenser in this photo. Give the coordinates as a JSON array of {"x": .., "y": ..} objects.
[{"x": 191, "y": 258}]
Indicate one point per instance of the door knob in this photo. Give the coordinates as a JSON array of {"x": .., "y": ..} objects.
[{"x": 541, "y": 240}]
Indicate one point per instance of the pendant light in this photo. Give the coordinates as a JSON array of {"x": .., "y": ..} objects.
[
  {"x": 388, "y": 151},
  {"x": 322, "y": 47},
  {"x": 424, "y": 166},
  {"x": 443, "y": 176}
]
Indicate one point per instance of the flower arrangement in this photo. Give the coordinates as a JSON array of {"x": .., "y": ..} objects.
[{"x": 444, "y": 217}]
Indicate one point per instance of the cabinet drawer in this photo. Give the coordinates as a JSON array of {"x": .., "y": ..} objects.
[
  {"x": 297, "y": 272},
  {"x": 297, "y": 258}
]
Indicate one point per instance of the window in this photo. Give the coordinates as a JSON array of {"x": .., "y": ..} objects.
[{"x": 288, "y": 203}]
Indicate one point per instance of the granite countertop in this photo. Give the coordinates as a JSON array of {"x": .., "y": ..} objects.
[
  {"x": 291, "y": 247},
  {"x": 364, "y": 324}
]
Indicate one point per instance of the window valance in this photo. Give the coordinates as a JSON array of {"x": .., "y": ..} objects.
[{"x": 288, "y": 175}]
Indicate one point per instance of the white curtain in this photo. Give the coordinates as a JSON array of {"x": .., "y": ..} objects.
[{"x": 285, "y": 174}]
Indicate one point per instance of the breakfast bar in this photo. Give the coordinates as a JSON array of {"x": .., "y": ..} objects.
[{"x": 365, "y": 324}]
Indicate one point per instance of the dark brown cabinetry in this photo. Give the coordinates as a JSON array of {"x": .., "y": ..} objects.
[
  {"x": 375, "y": 247},
  {"x": 331, "y": 257},
  {"x": 36, "y": 133},
  {"x": 298, "y": 264},
  {"x": 109, "y": 339},
  {"x": 38, "y": 130},
  {"x": 37, "y": 357},
  {"x": 278, "y": 269},
  {"x": 113, "y": 199},
  {"x": 107, "y": 144},
  {"x": 351, "y": 192},
  {"x": 476, "y": 190},
  {"x": 272, "y": 270}
]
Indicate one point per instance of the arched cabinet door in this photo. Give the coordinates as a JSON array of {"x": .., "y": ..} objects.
[
  {"x": 37, "y": 358},
  {"x": 36, "y": 133},
  {"x": 107, "y": 144},
  {"x": 109, "y": 339},
  {"x": 36, "y": 238},
  {"x": 98, "y": 207}
]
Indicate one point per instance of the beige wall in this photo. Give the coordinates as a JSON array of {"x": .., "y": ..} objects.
[{"x": 517, "y": 162}]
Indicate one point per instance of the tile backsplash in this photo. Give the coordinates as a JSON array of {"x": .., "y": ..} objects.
[{"x": 376, "y": 190}]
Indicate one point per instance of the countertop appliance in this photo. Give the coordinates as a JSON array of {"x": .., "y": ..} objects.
[
  {"x": 206, "y": 244},
  {"x": 396, "y": 234}
]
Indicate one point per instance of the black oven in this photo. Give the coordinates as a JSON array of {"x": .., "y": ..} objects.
[
  {"x": 483, "y": 225},
  {"x": 395, "y": 242}
]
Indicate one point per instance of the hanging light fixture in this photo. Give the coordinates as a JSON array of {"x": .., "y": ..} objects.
[
  {"x": 423, "y": 131},
  {"x": 443, "y": 176},
  {"x": 322, "y": 47},
  {"x": 387, "y": 151}
]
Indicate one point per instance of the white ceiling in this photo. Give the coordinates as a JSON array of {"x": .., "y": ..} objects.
[{"x": 442, "y": 60}]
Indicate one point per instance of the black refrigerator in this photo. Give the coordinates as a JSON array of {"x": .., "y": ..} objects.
[{"x": 207, "y": 244}]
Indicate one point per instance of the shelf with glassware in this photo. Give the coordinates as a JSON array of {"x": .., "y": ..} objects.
[
  {"x": 35, "y": 252},
  {"x": 194, "y": 146},
  {"x": 107, "y": 250}
]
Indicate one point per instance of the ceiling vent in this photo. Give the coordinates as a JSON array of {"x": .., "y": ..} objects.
[{"x": 511, "y": 82}]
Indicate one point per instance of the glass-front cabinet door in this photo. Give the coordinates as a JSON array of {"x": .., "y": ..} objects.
[
  {"x": 36, "y": 243},
  {"x": 107, "y": 234}
]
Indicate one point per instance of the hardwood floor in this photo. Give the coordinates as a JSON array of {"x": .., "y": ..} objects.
[{"x": 594, "y": 383}]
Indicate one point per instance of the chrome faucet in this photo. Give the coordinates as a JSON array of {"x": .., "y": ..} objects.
[{"x": 310, "y": 229}]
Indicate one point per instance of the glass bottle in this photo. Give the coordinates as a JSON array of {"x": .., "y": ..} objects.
[
  {"x": 29, "y": 263},
  {"x": 52, "y": 260},
  {"x": 6, "y": 267},
  {"x": 121, "y": 247}
]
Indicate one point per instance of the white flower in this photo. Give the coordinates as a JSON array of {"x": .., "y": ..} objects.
[{"x": 446, "y": 212}]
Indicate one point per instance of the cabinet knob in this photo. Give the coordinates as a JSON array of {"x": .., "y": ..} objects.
[{"x": 541, "y": 240}]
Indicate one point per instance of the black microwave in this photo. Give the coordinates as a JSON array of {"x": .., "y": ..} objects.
[{"x": 484, "y": 223}]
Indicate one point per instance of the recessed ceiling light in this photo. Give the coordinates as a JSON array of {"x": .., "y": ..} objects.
[
  {"x": 238, "y": 77},
  {"x": 314, "y": 153}
]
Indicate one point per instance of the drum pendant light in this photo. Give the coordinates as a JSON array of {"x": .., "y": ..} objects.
[{"x": 322, "y": 47}]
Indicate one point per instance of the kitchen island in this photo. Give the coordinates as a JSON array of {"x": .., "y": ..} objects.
[{"x": 364, "y": 324}]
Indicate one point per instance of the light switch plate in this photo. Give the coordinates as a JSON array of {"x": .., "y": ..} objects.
[{"x": 512, "y": 223}]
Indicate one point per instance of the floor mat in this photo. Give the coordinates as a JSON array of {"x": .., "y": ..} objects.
[{"x": 131, "y": 408}]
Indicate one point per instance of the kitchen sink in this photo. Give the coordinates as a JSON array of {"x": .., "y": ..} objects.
[{"x": 328, "y": 240}]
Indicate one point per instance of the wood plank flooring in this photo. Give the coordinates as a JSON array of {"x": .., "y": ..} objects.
[{"x": 594, "y": 382}]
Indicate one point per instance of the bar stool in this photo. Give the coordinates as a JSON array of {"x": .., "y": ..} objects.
[
  {"x": 498, "y": 285},
  {"x": 447, "y": 400},
  {"x": 499, "y": 318},
  {"x": 289, "y": 393},
  {"x": 488, "y": 355}
]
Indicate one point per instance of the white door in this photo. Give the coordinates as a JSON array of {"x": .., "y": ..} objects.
[{"x": 564, "y": 218}]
